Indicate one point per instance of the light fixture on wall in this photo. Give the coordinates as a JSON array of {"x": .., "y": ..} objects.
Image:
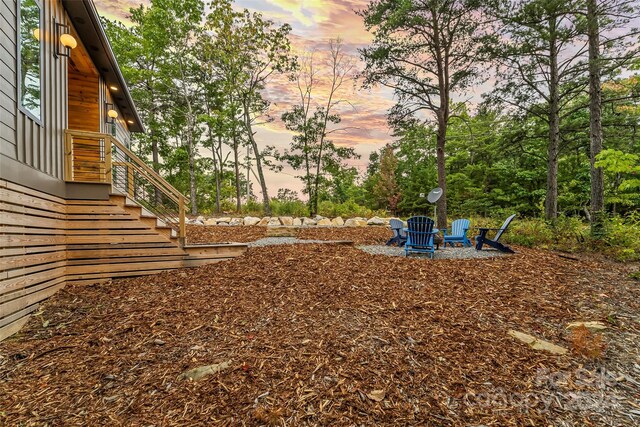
[
  {"x": 64, "y": 41},
  {"x": 112, "y": 114}
]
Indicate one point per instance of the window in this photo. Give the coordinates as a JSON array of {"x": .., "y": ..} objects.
[{"x": 29, "y": 54}]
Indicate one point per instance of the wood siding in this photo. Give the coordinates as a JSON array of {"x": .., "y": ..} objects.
[{"x": 122, "y": 129}]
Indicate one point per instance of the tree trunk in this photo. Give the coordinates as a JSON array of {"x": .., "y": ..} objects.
[
  {"x": 595, "y": 123},
  {"x": 441, "y": 206},
  {"x": 236, "y": 167},
  {"x": 192, "y": 173},
  {"x": 551, "y": 201},
  {"x": 218, "y": 176},
  {"x": 256, "y": 152}
]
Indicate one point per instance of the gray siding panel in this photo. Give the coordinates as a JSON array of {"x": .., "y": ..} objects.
[{"x": 40, "y": 145}]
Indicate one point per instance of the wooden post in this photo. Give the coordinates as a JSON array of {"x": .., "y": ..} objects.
[
  {"x": 183, "y": 228},
  {"x": 68, "y": 157},
  {"x": 130, "y": 180},
  {"x": 107, "y": 160}
]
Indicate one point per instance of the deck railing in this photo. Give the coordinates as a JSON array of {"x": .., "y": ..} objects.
[{"x": 98, "y": 157}]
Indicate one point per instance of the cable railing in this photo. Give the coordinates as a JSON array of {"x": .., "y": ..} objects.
[{"x": 98, "y": 157}]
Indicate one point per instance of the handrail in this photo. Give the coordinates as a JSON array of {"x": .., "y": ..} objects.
[
  {"x": 146, "y": 167},
  {"x": 104, "y": 163}
]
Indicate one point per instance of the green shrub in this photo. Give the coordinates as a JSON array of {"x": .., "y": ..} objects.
[
  {"x": 289, "y": 208},
  {"x": 347, "y": 209}
]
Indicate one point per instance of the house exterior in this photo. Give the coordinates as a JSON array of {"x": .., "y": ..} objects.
[{"x": 76, "y": 206}]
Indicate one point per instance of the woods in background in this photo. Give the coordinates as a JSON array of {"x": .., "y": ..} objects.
[{"x": 555, "y": 132}]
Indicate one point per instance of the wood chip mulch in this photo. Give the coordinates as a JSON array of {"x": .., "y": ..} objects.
[
  {"x": 324, "y": 335},
  {"x": 217, "y": 234}
]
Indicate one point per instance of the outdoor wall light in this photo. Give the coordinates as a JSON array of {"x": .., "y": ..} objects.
[
  {"x": 113, "y": 88},
  {"x": 112, "y": 114},
  {"x": 66, "y": 40}
]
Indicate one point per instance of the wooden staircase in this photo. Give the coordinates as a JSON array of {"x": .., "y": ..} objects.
[
  {"x": 133, "y": 242},
  {"x": 47, "y": 242}
]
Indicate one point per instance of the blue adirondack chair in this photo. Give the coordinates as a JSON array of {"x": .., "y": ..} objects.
[
  {"x": 458, "y": 234},
  {"x": 420, "y": 234},
  {"x": 482, "y": 238},
  {"x": 399, "y": 235}
]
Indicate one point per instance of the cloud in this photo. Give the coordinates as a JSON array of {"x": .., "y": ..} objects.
[{"x": 314, "y": 23}]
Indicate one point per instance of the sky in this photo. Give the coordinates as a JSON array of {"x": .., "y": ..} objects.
[{"x": 314, "y": 23}]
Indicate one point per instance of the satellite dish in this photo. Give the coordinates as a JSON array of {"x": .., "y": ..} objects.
[{"x": 434, "y": 195}]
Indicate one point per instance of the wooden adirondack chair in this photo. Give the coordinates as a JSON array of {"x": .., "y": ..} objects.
[
  {"x": 458, "y": 234},
  {"x": 399, "y": 235},
  {"x": 420, "y": 234},
  {"x": 482, "y": 238}
]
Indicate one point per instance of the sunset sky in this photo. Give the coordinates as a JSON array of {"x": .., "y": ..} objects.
[{"x": 314, "y": 23}]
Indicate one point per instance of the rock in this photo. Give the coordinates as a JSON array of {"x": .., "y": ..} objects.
[
  {"x": 158, "y": 342},
  {"x": 355, "y": 222},
  {"x": 202, "y": 371},
  {"x": 376, "y": 221},
  {"x": 286, "y": 220},
  {"x": 264, "y": 221},
  {"x": 337, "y": 221},
  {"x": 593, "y": 326},
  {"x": 274, "y": 222},
  {"x": 224, "y": 219},
  {"x": 236, "y": 221},
  {"x": 324, "y": 222},
  {"x": 318, "y": 217},
  {"x": 210, "y": 221},
  {"x": 200, "y": 219},
  {"x": 537, "y": 343},
  {"x": 308, "y": 221},
  {"x": 297, "y": 221},
  {"x": 251, "y": 220}
]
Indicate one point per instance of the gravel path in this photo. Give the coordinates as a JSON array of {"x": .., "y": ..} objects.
[
  {"x": 269, "y": 241},
  {"x": 448, "y": 253}
]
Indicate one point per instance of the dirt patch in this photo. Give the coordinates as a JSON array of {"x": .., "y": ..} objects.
[
  {"x": 221, "y": 233},
  {"x": 328, "y": 335},
  {"x": 359, "y": 235}
]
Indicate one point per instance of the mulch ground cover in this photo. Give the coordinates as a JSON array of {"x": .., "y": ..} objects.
[
  {"x": 359, "y": 235},
  {"x": 329, "y": 335}
]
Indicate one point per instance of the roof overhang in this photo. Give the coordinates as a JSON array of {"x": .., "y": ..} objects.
[{"x": 85, "y": 19}]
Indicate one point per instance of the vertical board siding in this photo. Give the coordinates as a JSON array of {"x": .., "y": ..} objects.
[
  {"x": 39, "y": 145},
  {"x": 8, "y": 65}
]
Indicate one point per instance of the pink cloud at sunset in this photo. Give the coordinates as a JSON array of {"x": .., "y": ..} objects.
[{"x": 314, "y": 23}]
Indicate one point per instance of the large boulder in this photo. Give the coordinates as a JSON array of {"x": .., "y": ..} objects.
[
  {"x": 286, "y": 220},
  {"x": 318, "y": 217},
  {"x": 200, "y": 219},
  {"x": 297, "y": 222},
  {"x": 324, "y": 222},
  {"x": 376, "y": 221},
  {"x": 264, "y": 221},
  {"x": 251, "y": 220},
  {"x": 224, "y": 219},
  {"x": 308, "y": 221},
  {"x": 337, "y": 221},
  {"x": 274, "y": 222},
  {"x": 210, "y": 221},
  {"x": 236, "y": 221},
  {"x": 355, "y": 222}
]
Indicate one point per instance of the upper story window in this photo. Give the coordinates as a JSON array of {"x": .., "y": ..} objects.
[{"x": 29, "y": 54}]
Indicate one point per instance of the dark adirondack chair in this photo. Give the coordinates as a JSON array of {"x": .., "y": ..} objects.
[
  {"x": 482, "y": 238},
  {"x": 399, "y": 235},
  {"x": 420, "y": 234},
  {"x": 458, "y": 233}
]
